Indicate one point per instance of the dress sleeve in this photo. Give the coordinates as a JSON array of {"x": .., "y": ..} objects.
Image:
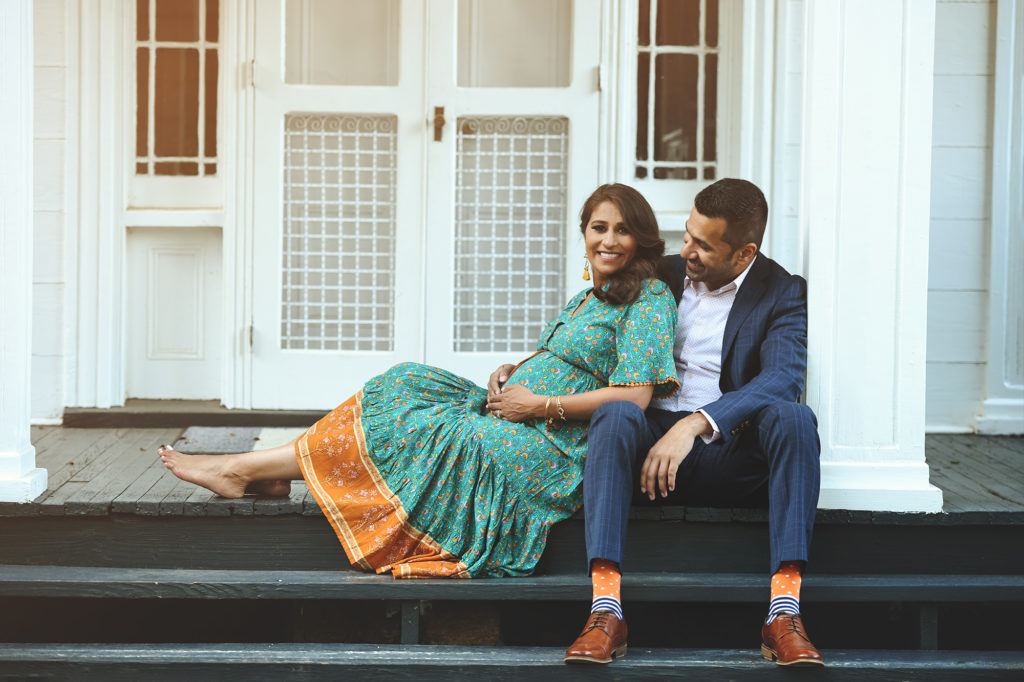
[{"x": 644, "y": 341}]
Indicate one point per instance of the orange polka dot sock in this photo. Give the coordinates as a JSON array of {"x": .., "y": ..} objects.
[
  {"x": 606, "y": 578},
  {"x": 786, "y": 589}
]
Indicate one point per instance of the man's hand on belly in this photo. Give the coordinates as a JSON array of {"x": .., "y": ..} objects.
[{"x": 659, "y": 470}]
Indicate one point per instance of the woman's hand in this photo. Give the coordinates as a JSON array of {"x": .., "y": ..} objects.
[
  {"x": 516, "y": 403},
  {"x": 498, "y": 378}
]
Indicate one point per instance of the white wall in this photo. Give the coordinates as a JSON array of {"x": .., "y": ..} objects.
[
  {"x": 49, "y": 277},
  {"x": 958, "y": 262}
]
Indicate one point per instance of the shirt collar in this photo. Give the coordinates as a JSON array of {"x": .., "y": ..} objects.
[{"x": 733, "y": 285}]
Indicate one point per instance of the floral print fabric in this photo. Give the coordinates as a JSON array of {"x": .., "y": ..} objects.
[{"x": 445, "y": 489}]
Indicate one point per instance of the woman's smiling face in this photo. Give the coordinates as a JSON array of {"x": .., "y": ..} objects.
[{"x": 609, "y": 244}]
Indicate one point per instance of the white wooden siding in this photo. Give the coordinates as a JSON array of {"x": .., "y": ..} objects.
[
  {"x": 958, "y": 273},
  {"x": 48, "y": 275}
]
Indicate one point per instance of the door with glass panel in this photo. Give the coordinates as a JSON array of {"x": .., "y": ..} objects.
[
  {"x": 418, "y": 169},
  {"x": 515, "y": 161}
]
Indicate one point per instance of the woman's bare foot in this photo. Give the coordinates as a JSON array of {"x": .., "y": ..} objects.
[
  {"x": 212, "y": 472},
  {"x": 275, "y": 488}
]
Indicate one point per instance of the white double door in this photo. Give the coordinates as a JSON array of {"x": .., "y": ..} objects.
[{"x": 381, "y": 235}]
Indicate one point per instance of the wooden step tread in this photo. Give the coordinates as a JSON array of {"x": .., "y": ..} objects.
[
  {"x": 138, "y": 583},
  {"x": 327, "y": 661}
]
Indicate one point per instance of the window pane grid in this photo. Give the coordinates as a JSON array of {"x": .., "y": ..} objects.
[
  {"x": 510, "y": 213},
  {"x": 673, "y": 154},
  {"x": 339, "y": 232},
  {"x": 176, "y": 125}
]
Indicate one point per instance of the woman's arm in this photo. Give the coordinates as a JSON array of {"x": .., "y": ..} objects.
[{"x": 517, "y": 403}]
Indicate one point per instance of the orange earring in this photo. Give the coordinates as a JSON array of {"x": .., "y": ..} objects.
[{"x": 586, "y": 270}]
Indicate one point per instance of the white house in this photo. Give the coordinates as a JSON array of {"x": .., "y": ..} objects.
[{"x": 264, "y": 202}]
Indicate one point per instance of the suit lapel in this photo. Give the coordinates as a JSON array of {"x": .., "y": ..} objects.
[{"x": 747, "y": 299}]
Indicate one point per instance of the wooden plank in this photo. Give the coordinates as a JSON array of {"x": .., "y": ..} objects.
[
  {"x": 127, "y": 501},
  {"x": 67, "y": 458},
  {"x": 134, "y": 583},
  {"x": 173, "y": 503},
  {"x": 109, "y": 474},
  {"x": 1008, "y": 492},
  {"x": 994, "y": 460},
  {"x": 963, "y": 480},
  {"x": 195, "y": 504},
  {"x": 309, "y": 505},
  {"x": 148, "y": 504},
  {"x": 120, "y": 474},
  {"x": 296, "y": 542},
  {"x": 274, "y": 506},
  {"x": 84, "y": 481},
  {"x": 243, "y": 662},
  {"x": 968, "y": 500},
  {"x": 39, "y": 435}
]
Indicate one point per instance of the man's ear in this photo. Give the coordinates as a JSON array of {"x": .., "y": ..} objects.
[{"x": 746, "y": 253}]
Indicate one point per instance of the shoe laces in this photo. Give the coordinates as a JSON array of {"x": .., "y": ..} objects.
[
  {"x": 792, "y": 625},
  {"x": 598, "y": 619}
]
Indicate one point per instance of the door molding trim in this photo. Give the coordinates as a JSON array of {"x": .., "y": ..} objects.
[{"x": 237, "y": 91}]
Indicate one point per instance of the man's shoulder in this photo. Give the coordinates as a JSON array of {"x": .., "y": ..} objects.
[{"x": 774, "y": 275}]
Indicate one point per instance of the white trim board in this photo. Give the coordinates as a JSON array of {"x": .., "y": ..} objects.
[{"x": 1003, "y": 409}]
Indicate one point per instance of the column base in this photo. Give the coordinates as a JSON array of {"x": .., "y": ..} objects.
[
  {"x": 28, "y": 487},
  {"x": 874, "y": 486},
  {"x": 1002, "y": 417}
]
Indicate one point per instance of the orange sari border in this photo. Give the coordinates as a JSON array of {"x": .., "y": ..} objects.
[{"x": 370, "y": 521}]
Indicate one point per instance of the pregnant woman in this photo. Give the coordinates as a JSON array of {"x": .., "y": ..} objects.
[{"x": 425, "y": 474}]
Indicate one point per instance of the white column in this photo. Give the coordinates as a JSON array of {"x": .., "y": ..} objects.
[
  {"x": 867, "y": 107},
  {"x": 1003, "y": 411},
  {"x": 20, "y": 480}
]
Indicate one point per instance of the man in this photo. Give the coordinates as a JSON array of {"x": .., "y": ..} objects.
[{"x": 733, "y": 435}]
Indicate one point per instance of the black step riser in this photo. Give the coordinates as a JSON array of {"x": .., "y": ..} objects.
[{"x": 308, "y": 543}]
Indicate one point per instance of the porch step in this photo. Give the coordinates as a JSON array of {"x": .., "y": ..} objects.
[
  {"x": 920, "y": 544},
  {"x": 129, "y": 583},
  {"x": 148, "y": 414},
  {"x": 226, "y": 662}
]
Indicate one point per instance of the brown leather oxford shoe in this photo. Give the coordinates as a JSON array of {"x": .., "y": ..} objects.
[
  {"x": 785, "y": 641},
  {"x": 603, "y": 639}
]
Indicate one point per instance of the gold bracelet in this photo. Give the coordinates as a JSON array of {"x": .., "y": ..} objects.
[
  {"x": 561, "y": 412},
  {"x": 550, "y": 421}
]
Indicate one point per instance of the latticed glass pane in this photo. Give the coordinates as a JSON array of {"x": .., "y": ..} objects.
[
  {"x": 338, "y": 249},
  {"x": 176, "y": 62},
  {"x": 510, "y": 208},
  {"x": 677, "y": 88}
]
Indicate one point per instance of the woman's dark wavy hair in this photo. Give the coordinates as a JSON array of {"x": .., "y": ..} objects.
[{"x": 638, "y": 216}]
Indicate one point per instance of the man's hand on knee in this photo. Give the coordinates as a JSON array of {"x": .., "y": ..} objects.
[{"x": 662, "y": 463}]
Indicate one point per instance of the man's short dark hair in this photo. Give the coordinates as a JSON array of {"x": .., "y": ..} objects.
[{"x": 741, "y": 204}]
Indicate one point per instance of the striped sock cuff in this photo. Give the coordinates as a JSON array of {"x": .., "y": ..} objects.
[
  {"x": 783, "y": 604},
  {"x": 607, "y": 604}
]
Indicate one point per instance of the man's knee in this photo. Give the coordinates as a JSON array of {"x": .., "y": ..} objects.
[
  {"x": 788, "y": 424},
  {"x": 616, "y": 430},
  {"x": 617, "y": 414},
  {"x": 787, "y": 415}
]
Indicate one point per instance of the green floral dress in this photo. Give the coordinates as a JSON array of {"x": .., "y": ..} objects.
[{"x": 417, "y": 478}]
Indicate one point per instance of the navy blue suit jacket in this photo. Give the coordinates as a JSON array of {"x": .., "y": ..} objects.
[{"x": 764, "y": 348}]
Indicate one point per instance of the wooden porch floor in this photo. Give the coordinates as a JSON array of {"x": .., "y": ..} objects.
[{"x": 99, "y": 471}]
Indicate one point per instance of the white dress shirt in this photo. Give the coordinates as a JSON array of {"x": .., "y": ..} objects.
[{"x": 698, "y": 347}]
